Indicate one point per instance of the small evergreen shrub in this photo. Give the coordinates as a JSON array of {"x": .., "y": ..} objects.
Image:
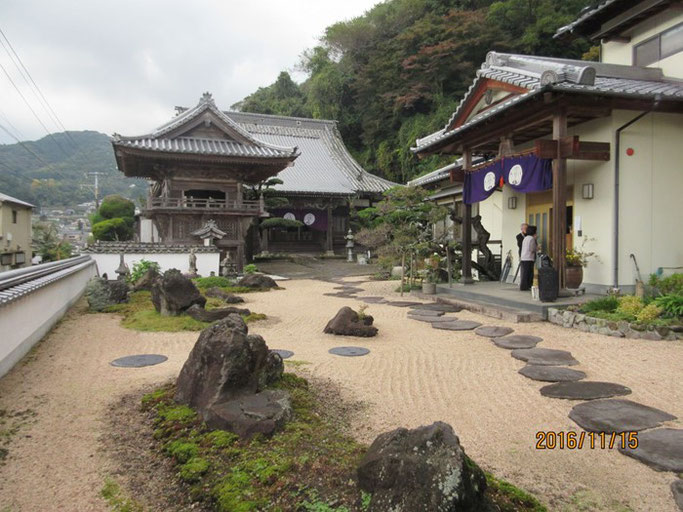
[
  {"x": 140, "y": 268},
  {"x": 630, "y": 305},
  {"x": 211, "y": 281},
  {"x": 672, "y": 284},
  {"x": 648, "y": 314},
  {"x": 608, "y": 303},
  {"x": 250, "y": 269}
]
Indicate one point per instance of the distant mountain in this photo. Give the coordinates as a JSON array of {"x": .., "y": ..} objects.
[{"x": 55, "y": 175}]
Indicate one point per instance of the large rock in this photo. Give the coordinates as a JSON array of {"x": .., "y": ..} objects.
[
  {"x": 229, "y": 365},
  {"x": 421, "y": 469},
  {"x": 260, "y": 281},
  {"x": 102, "y": 293},
  {"x": 217, "y": 293},
  {"x": 211, "y": 315},
  {"x": 173, "y": 293},
  {"x": 347, "y": 323},
  {"x": 147, "y": 280}
]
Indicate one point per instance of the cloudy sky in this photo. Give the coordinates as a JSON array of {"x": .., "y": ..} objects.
[{"x": 122, "y": 66}]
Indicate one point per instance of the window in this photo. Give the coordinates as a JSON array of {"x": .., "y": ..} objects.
[
  {"x": 14, "y": 216},
  {"x": 659, "y": 47}
]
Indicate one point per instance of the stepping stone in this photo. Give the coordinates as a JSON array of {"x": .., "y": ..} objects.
[
  {"x": 550, "y": 373},
  {"x": 677, "y": 491},
  {"x": 373, "y": 300},
  {"x": 432, "y": 319},
  {"x": 515, "y": 341},
  {"x": 284, "y": 354},
  {"x": 584, "y": 390},
  {"x": 138, "y": 361},
  {"x": 349, "y": 351},
  {"x": 342, "y": 295},
  {"x": 617, "y": 415},
  {"x": 545, "y": 356},
  {"x": 445, "y": 308},
  {"x": 456, "y": 325},
  {"x": 492, "y": 331},
  {"x": 424, "y": 312},
  {"x": 351, "y": 289},
  {"x": 661, "y": 449},
  {"x": 402, "y": 303}
]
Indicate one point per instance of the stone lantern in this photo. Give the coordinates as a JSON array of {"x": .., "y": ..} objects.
[{"x": 349, "y": 246}]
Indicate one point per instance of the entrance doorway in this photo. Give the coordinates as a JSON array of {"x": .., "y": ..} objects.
[{"x": 539, "y": 213}]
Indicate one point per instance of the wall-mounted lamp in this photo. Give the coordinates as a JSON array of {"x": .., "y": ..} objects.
[
  {"x": 512, "y": 203},
  {"x": 587, "y": 191}
]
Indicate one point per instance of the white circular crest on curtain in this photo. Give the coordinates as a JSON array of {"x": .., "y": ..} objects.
[
  {"x": 515, "y": 176},
  {"x": 489, "y": 180},
  {"x": 309, "y": 219},
  {"x": 289, "y": 216}
]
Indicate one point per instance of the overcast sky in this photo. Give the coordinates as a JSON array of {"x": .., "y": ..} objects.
[{"x": 121, "y": 66}]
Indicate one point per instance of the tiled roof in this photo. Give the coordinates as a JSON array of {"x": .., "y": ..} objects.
[
  {"x": 440, "y": 174},
  {"x": 591, "y": 18},
  {"x": 539, "y": 74},
  {"x": 100, "y": 247},
  {"x": 242, "y": 145},
  {"x": 33, "y": 278},
  {"x": 324, "y": 167},
  {"x": 4, "y": 198}
]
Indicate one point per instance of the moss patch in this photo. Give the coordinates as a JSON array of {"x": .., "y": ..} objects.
[
  {"x": 309, "y": 466},
  {"x": 139, "y": 314},
  {"x": 117, "y": 500}
]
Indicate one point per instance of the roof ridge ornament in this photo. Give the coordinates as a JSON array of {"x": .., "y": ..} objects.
[{"x": 207, "y": 98}]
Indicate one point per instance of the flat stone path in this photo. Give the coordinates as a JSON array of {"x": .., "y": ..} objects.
[
  {"x": 139, "y": 360},
  {"x": 551, "y": 373},
  {"x": 456, "y": 325},
  {"x": 515, "y": 341},
  {"x": 373, "y": 300},
  {"x": 438, "y": 306},
  {"x": 349, "y": 351},
  {"x": 432, "y": 319},
  {"x": 492, "y": 331},
  {"x": 661, "y": 449},
  {"x": 545, "y": 356},
  {"x": 617, "y": 415},
  {"x": 425, "y": 312},
  {"x": 284, "y": 354},
  {"x": 584, "y": 390},
  {"x": 402, "y": 303}
]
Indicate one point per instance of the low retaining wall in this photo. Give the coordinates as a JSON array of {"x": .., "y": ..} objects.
[
  {"x": 35, "y": 307},
  {"x": 622, "y": 329}
]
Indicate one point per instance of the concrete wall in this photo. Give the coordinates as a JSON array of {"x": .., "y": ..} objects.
[
  {"x": 622, "y": 53},
  {"x": 206, "y": 262},
  {"x": 26, "y": 320},
  {"x": 20, "y": 233}
]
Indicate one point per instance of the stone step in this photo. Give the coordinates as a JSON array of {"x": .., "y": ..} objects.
[{"x": 505, "y": 313}]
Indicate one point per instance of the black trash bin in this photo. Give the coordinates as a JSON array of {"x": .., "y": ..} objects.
[{"x": 548, "y": 280}]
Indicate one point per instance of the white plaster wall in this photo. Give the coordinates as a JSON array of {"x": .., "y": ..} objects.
[
  {"x": 622, "y": 53},
  {"x": 148, "y": 231},
  {"x": 511, "y": 221},
  {"x": 491, "y": 211},
  {"x": 25, "y": 321},
  {"x": 206, "y": 262}
]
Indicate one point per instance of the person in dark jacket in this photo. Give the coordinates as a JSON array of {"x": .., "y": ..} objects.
[
  {"x": 528, "y": 257},
  {"x": 520, "y": 236}
]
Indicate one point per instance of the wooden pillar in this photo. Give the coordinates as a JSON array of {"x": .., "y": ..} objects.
[
  {"x": 467, "y": 226},
  {"x": 329, "y": 246},
  {"x": 559, "y": 221}
]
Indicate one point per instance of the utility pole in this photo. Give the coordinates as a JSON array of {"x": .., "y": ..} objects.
[{"x": 96, "y": 187}]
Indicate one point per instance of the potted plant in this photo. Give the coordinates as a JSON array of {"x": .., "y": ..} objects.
[
  {"x": 575, "y": 260},
  {"x": 431, "y": 274}
]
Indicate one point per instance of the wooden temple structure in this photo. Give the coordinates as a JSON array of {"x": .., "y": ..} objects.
[
  {"x": 522, "y": 105},
  {"x": 197, "y": 165}
]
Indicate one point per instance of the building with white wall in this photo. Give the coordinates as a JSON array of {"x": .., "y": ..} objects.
[{"x": 15, "y": 233}]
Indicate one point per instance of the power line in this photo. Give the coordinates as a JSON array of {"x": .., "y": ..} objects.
[
  {"x": 32, "y": 111},
  {"x": 36, "y": 155},
  {"x": 46, "y": 104},
  {"x": 16, "y": 130}
]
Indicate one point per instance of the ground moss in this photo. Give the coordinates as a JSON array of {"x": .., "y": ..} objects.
[
  {"x": 310, "y": 465},
  {"x": 117, "y": 500},
  {"x": 139, "y": 314}
]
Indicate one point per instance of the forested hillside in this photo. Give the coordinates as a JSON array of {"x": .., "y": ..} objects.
[
  {"x": 50, "y": 171},
  {"x": 399, "y": 71}
]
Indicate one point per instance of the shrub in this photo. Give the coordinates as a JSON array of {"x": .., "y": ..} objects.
[
  {"x": 609, "y": 303},
  {"x": 648, "y": 314},
  {"x": 141, "y": 267},
  {"x": 250, "y": 269},
  {"x": 672, "y": 284},
  {"x": 112, "y": 229},
  {"x": 209, "y": 282},
  {"x": 116, "y": 206},
  {"x": 630, "y": 305},
  {"x": 671, "y": 304}
]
